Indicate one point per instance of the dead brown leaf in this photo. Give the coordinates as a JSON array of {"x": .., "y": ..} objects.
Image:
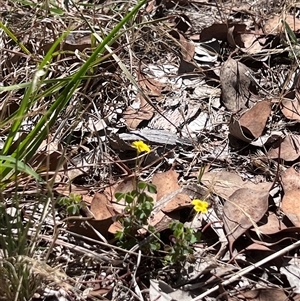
[
  {"x": 235, "y": 85},
  {"x": 258, "y": 247},
  {"x": 103, "y": 213},
  {"x": 187, "y": 47},
  {"x": 289, "y": 149},
  {"x": 254, "y": 120},
  {"x": 290, "y": 203},
  {"x": 127, "y": 185},
  {"x": 180, "y": 201},
  {"x": 275, "y": 26},
  {"x": 291, "y": 108},
  {"x": 225, "y": 183},
  {"x": 167, "y": 183},
  {"x": 291, "y": 206},
  {"x": 100, "y": 207},
  {"x": 272, "y": 226},
  {"x": 261, "y": 294},
  {"x": 134, "y": 117},
  {"x": 244, "y": 208},
  {"x": 290, "y": 178},
  {"x": 151, "y": 87},
  {"x": 252, "y": 42},
  {"x": 220, "y": 32},
  {"x": 236, "y": 131}
]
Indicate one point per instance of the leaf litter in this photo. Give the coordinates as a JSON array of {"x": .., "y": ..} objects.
[{"x": 245, "y": 131}]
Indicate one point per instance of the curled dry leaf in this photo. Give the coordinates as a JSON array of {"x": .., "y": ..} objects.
[
  {"x": 169, "y": 197},
  {"x": 220, "y": 32},
  {"x": 244, "y": 208},
  {"x": 236, "y": 131},
  {"x": 252, "y": 123},
  {"x": 187, "y": 47},
  {"x": 235, "y": 85}
]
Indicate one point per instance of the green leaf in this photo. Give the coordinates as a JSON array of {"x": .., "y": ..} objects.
[
  {"x": 119, "y": 196},
  {"x": 152, "y": 188},
  {"x": 142, "y": 198},
  {"x": 134, "y": 193},
  {"x": 154, "y": 246},
  {"x": 290, "y": 33},
  {"x": 119, "y": 235},
  {"x": 142, "y": 185},
  {"x": 77, "y": 198},
  {"x": 128, "y": 198}
]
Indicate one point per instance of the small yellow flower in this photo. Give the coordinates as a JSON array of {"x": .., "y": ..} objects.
[
  {"x": 200, "y": 206},
  {"x": 140, "y": 147}
]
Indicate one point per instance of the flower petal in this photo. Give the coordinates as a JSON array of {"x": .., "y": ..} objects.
[
  {"x": 140, "y": 146},
  {"x": 200, "y": 206}
]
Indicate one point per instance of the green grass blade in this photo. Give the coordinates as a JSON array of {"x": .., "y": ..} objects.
[
  {"x": 31, "y": 143},
  {"x": 14, "y": 38},
  {"x": 13, "y": 164}
]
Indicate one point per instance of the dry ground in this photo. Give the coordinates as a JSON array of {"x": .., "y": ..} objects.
[{"x": 218, "y": 104}]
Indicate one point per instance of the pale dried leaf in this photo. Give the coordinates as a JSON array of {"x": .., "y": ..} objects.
[
  {"x": 235, "y": 85},
  {"x": 244, "y": 208},
  {"x": 225, "y": 183},
  {"x": 236, "y": 131}
]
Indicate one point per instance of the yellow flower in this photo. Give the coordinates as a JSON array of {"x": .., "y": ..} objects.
[
  {"x": 140, "y": 147},
  {"x": 200, "y": 206}
]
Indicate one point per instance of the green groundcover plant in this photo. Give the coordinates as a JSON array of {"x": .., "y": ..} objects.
[{"x": 138, "y": 208}]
